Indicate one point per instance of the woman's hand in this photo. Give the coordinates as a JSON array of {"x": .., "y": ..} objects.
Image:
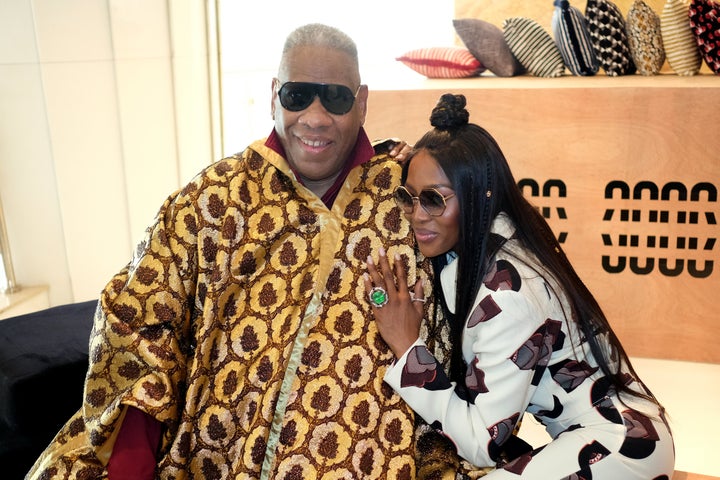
[
  {"x": 398, "y": 321},
  {"x": 400, "y": 151}
]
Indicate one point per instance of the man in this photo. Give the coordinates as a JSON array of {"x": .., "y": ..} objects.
[{"x": 238, "y": 342}]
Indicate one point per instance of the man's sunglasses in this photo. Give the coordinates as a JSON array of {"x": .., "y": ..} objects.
[
  {"x": 297, "y": 96},
  {"x": 432, "y": 201}
]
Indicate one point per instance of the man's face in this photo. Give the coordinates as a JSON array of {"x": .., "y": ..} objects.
[{"x": 317, "y": 142}]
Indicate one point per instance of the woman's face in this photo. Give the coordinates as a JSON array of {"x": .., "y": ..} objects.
[{"x": 435, "y": 235}]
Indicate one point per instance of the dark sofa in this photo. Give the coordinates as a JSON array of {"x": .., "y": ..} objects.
[{"x": 43, "y": 362}]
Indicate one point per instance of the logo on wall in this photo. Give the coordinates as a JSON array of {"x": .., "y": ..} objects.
[
  {"x": 671, "y": 229},
  {"x": 675, "y": 220},
  {"x": 547, "y": 191}
]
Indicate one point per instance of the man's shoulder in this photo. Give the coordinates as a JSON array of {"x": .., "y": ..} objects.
[
  {"x": 383, "y": 147},
  {"x": 252, "y": 157},
  {"x": 382, "y": 162}
]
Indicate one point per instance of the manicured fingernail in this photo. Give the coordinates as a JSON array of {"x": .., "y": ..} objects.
[
  {"x": 370, "y": 260},
  {"x": 382, "y": 252}
]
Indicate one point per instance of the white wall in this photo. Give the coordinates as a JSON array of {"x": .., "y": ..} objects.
[
  {"x": 251, "y": 49},
  {"x": 106, "y": 106},
  {"x": 104, "y": 110}
]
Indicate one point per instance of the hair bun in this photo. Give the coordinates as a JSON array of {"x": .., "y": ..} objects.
[{"x": 450, "y": 112}]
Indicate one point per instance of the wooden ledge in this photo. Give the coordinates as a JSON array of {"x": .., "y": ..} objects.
[
  {"x": 490, "y": 81},
  {"x": 678, "y": 475}
]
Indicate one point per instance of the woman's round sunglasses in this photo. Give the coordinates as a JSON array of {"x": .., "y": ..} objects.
[
  {"x": 297, "y": 96},
  {"x": 431, "y": 200}
]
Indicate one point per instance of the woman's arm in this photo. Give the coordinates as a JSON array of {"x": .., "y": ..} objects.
[{"x": 507, "y": 343}]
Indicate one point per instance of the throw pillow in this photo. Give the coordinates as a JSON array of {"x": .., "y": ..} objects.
[
  {"x": 679, "y": 42},
  {"x": 442, "y": 62},
  {"x": 645, "y": 38},
  {"x": 705, "y": 23},
  {"x": 533, "y": 47},
  {"x": 573, "y": 40},
  {"x": 487, "y": 43},
  {"x": 606, "y": 27}
]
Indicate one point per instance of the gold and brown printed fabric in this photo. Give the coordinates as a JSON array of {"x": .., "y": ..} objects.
[{"x": 242, "y": 324}]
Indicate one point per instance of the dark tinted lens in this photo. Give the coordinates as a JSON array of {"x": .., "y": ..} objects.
[
  {"x": 296, "y": 96},
  {"x": 337, "y": 99},
  {"x": 403, "y": 199},
  {"x": 432, "y": 201}
]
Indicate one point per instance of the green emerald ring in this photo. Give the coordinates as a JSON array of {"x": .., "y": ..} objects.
[{"x": 378, "y": 297}]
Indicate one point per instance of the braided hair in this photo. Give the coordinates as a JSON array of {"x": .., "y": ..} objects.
[{"x": 485, "y": 187}]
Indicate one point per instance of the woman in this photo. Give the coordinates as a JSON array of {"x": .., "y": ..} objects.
[{"x": 527, "y": 335}]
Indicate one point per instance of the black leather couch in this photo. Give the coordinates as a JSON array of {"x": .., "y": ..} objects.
[{"x": 43, "y": 362}]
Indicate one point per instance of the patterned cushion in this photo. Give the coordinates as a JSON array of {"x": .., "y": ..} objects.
[
  {"x": 679, "y": 42},
  {"x": 487, "y": 43},
  {"x": 573, "y": 40},
  {"x": 442, "y": 62},
  {"x": 705, "y": 23},
  {"x": 607, "y": 32},
  {"x": 533, "y": 47},
  {"x": 645, "y": 38}
]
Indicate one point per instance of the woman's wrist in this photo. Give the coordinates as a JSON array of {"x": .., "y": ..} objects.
[{"x": 401, "y": 349}]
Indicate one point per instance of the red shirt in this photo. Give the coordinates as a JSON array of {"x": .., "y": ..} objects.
[{"x": 133, "y": 455}]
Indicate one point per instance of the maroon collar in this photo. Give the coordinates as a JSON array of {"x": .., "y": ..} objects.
[{"x": 361, "y": 153}]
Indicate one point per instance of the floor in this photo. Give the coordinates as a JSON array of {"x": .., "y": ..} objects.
[{"x": 691, "y": 395}]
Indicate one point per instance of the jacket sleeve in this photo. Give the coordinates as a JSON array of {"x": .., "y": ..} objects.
[
  {"x": 507, "y": 343},
  {"x": 140, "y": 336}
]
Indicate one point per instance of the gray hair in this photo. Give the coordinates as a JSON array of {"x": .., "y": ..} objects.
[{"x": 320, "y": 35}]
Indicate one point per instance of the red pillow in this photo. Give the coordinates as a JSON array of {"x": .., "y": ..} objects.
[{"x": 442, "y": 62}]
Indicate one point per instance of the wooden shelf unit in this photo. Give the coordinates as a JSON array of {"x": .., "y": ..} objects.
[{"x": 639, "y": 160}]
